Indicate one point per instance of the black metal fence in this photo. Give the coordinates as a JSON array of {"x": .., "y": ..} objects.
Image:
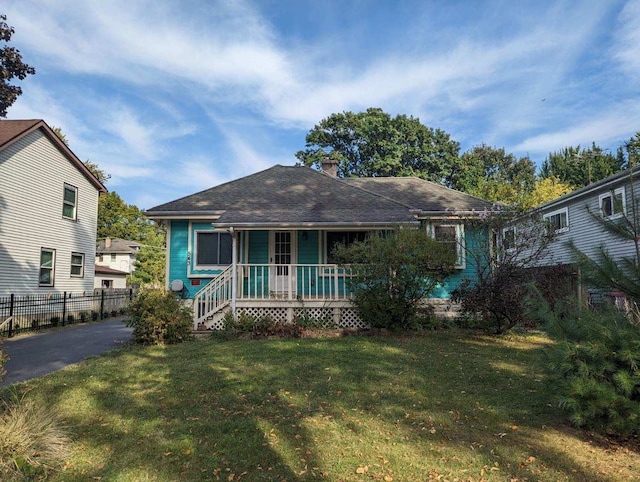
[{"x": 37, "y": 311}]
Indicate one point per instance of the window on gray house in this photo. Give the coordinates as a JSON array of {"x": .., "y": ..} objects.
[{"x": 77, "y": 265}]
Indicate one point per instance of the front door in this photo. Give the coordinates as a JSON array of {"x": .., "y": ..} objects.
[{"x": 282, "y": 247}]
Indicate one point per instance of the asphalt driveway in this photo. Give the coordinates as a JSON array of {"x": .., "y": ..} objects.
[{"x": 35, "y": 355}]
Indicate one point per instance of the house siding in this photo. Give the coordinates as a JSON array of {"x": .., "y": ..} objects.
[
  {"x": 587, "y": 234},
  {"x": 179, "y": 243},
  {"x": 32, "y": 177},
  {"x": 472, "y": 237},
  {"x": 308, "y": 248}
]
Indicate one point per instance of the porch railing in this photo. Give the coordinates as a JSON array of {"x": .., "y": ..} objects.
[{"x": 264, "y": 282}]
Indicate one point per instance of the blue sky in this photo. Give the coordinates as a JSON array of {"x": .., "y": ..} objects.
[{"x": 174, "y": 96}]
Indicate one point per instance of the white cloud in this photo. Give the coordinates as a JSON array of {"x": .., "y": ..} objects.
[
  {"x": 627, "y": 38},
  {"x": 617, "y": 123}
]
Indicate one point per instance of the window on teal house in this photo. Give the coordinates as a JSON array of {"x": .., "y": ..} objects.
[
  {"x": 212, "y": 249},
  {"x": 452, "y": 236},
  {"x": 342, "y": 237}
]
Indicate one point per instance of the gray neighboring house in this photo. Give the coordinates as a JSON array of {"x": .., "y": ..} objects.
[
  {"x": 263, "y": 244},
  {"x": 569, "y": 216},
  {"x": 48, "y": 212}
]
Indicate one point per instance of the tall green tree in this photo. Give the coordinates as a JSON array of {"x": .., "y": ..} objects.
[
  {"x": 580, "y": 167},
  {"x": 117, "y": 219},
  {"x": 493, "y": 174},
  {"x": 372, "y": 143},
  {"x": 11, "y": 67}
]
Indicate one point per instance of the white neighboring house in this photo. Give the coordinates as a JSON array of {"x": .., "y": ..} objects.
[
  {"x": 110, "y": 278},
  {"x": 117, "y": 254},
  {"x": 48, "y": 212}
]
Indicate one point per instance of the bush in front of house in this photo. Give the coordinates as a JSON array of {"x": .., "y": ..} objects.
[
  {"x": 393, "y": 274},
  {"x": 33, "y": 441},
  {"x": 158, "y": 317},
  {"x": 594, "y": 365}
]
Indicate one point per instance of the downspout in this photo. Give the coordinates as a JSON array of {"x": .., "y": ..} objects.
[{"x": 234, "y": 269}]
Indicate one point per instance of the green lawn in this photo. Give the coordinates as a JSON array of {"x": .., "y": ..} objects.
[{"x": 443, "y": 406}]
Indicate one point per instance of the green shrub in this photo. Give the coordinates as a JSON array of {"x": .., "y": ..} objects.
[
  {"x": 32, "y": 441},
  {"x": 158, "y": 317},
  {"x": 392, "y": 274},
  {"x": 245, "y": 325},
  {"x": 594, "y": 365}
]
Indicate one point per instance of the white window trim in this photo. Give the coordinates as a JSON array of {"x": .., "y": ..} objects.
[
  {"x": 556, "y": 212},
  {"x": 53, "y": 267},
  {"x": 612, "y": 194},
  {"x": 81, "y": 275},
  {"x": 205, "y": 267},
  {"x": 66, "y": 203},
  {"x": 461, "y": 262}
]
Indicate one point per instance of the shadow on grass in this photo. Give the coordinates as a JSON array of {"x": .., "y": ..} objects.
[{"x": 405, "y": 409}]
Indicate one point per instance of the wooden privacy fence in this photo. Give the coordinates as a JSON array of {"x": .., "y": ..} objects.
[{"x": 20, "y": 313}]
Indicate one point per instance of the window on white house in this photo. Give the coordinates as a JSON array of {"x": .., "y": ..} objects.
[
  {"x": 212, "y": 249},
  {"x": 113, "y": 257},
  {"x": 77, "y": 265},
  {"x": 558, "y": 221},
  {"x": 69, "y": 202},
  {"x": 346, "y": 238},
  {"x": 509, "y": 238},
  {"x": 47, "y": 267},
  {"x": 613, "y": 204},
  {"x": 451, "y": 235}
]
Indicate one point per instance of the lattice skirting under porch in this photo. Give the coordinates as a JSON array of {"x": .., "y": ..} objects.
[{"x": 342, "y": 317}]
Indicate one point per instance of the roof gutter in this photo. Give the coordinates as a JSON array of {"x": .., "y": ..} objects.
[{"x": 310, "y": 225}]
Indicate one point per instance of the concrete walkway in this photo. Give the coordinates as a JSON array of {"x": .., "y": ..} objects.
[{"x": 37, "y": 354}]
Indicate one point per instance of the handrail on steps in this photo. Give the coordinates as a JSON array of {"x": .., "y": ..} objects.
[{"x": 213, "y": 297}]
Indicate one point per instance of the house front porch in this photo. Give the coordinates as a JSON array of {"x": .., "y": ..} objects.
[{"x": 285, "y": 293}]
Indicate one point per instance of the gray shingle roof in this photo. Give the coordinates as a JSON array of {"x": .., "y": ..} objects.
[
  {"x": 118, "y": 245},
  {"x": 300, "y": 195},
  {"x": 419, "y": 194}
]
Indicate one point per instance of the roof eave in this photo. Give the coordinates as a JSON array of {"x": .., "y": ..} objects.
[{"x": 316, "y": 225}]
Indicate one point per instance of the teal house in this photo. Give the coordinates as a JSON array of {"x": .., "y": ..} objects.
[{"x": 263, "y": 244}]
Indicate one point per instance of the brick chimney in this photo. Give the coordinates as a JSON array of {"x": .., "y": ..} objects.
[
  {"x": 107, "y": 242},
  {"x": 330, "y": 166}
]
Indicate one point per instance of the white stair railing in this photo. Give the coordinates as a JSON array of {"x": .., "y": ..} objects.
[{"x": 215, "y": 296}]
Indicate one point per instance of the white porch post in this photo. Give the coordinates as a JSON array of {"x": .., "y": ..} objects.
[{"x": 234, "y": 269}]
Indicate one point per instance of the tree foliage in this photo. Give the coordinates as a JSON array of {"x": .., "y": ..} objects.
[
  {"x": 580, "y": 167},
  {"x": 545, "y": 190},
  {"x": 372, "y": 143},
  {"x": 11, "y": 67},
  {"x": 393, "y": 274},
  {"x": 594, "y": 365},
  {"x": 493, "y": 174},
  {"x": 117, "y": 219}
]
